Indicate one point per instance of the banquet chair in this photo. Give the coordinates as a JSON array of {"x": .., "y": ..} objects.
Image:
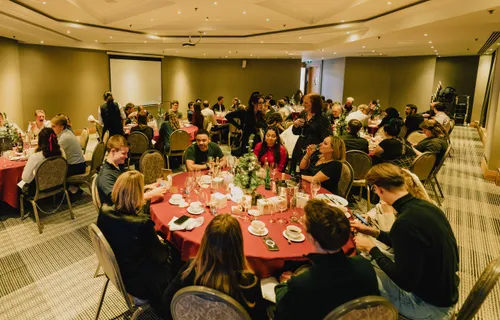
[
  {"x": 422, "y": 167},
  {"x": 197, "y": 302},
  {"x": 95, "y": 194},
  {"x": 369, "y": 307},
  {"x": 346, "y": 180},
  {"x": 437, "y": 168},
  {"x": 107, "y": 261},
  {"x": 50, "y": 179},
  {"x": 151, "y": 164},
  {"x": 233, "y": 131},
  {"x": 98, "y": 131},
  {"x": 84, "y": 139},
  {"x": 415, "y": 137},
  {"x": 90, "y": 171},
  {"x": 480, "y": 291},
  {"x": 105, "y": 137},
  {"x": 138, "y": 144},
  {"x": 452, "y": 125},
  {"x": 402, "y": 132},
  {"x": 179, "y": 142},
  {"x": 361, "y": 164}
]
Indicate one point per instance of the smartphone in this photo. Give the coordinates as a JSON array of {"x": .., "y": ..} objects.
[
  {"x": 360, "y": 218},
  {"x": 181, "y": 220},
  {"x": 270, "y": 244}
]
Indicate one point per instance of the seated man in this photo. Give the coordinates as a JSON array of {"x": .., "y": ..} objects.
[
  {"x": 351, "y": 138},
  {"x": 197, "y": 154},
  {"x": 112, "y": 168},
  {"x": 440, "y": 115},
  {"x": 333, "y": 278},
  {"x": 421, "y": 281},
  {"x": 174, "y": 108},
  {"x": 361, "y": 114},
  {"x": 36, "y": 126},
  {"x": 413, "y": 119}
]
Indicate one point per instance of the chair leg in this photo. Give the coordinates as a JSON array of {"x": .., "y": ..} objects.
[
  {"x": 168, "y": 162},
  {"x": 96, "y": 273},
  {"x": 21, "y": 203},
  {"x": 37, "y": 218},
  {"x": 368, "y": 198},
  {"x": 69, "y": 204},
  {"x": 439, "y": 187},
  {"x": 435, "y": 192},
  {"x": 101, "y": 300},
  {"x": 137, "y": 313}
]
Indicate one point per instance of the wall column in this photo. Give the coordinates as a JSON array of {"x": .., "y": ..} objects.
[{"x": 10, "y": 82}]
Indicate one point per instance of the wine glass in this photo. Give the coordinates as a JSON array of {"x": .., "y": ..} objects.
[
  {"x": 273, "y": 211},
  {"x": 188, "y": 185},
  {"x": 282, "y": 206},
  {"x": 246, "y": 203},
  {"x": 273, "y": 168},
  {"x": 315, "y": 186}
]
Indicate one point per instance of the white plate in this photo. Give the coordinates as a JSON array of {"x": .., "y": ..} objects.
[
  {"x": 347, "y": 214},
  {"x": 341, "y": 201},
  {"x": 190, "y": 210},
  {"x": 300, "y": 239},
  {"x": 250, "y": 229},
  {"x": 175, "y": 203}
]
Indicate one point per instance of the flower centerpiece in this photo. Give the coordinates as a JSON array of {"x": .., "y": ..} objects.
[
  {"x": 8, "y": 132},
  {"x": 247, "y": 172}
]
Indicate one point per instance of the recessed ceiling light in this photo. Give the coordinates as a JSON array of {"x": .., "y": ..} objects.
[
  {"x": 425, "y": 34},
  {"x": 373, "y": 50},
  {"x": 95, "y": 40},
  {"x": 176, "y": 50},
  {"x": 341, "y": 20},
  {"x": 347, "y": 32},
  {"x": 363, "y": 47},
  {"x": 251, "y": 55},
  {"x": 430, "y": 41},
  {"x": 244, "y": 12},
  {"x": 380, "y": 54},
  {"x": 137, "y": 51},
  {"x": 229, "y": 51},
  {"x": 262, "y": 42},
  {"x": 335, "y": 53},
  {"x": 178, "y": 12},
  {"x": 67, "y": 31},
  {"x": 389, "y": 2},
  {"x": 41, "y": 41},
  {"x": 77, "y": 20},
  {"x": 322, "y": 50},
  {"x": 206, "y": 19},
  {"x": 435, "y": 51},
  {"x": 44, "y": 2},
  {"x": 226, "y": 56},
  {"x": 204, "y": 32},
  {"x": 152, "y": 19},
  {"x": 145, "y": 41},
  {"x": 111, "y": 37},
  {"x": 300, "y": 38},
  {"x": 215, "y": 2},
  {"x": 498, "y": 44},
  {"x": 204, "y": 54},
  {"x": 322, "y": 58},
  {"x": 267, "y": 19}
]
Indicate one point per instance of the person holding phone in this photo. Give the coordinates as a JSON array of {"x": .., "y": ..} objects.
[
  {"x": 220, "y": 264},
  {"x": 147, "y": 265}
]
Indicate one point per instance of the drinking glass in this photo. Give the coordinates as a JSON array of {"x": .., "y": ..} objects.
[
  {"x": 273, "y": 211},
  {"x": 273, "y": 168},
  {"x": 315, "y": 186},
  {"x": 282, "y": 206},
  {"x": 246, "y": 203},
  {"x": 188, "y": 185}
]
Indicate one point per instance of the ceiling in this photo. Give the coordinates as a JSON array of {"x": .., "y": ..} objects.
[{"x": 237, "y": 29}]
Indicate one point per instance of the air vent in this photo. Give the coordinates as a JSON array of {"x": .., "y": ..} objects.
[{"x": 491, "y": 41}]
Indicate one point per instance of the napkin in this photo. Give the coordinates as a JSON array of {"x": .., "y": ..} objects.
[
  {"x": 91, "y": 118},
  {"x": 236, "y": 193},
  {"x": 189, "y": 224},
  {"x": 267, "y": 287}
]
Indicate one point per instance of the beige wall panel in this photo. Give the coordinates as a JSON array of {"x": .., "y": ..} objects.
[{"x": 10, "y": 81}]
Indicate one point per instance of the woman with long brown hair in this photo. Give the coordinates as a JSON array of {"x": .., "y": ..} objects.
[
  {"x": 220, "y": 264},
  {"x": 436, "y": 140}
]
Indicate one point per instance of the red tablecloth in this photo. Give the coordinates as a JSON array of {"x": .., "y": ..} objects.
[
  {"x": 10, "y": 174},
  {"x": 192, "y": 131},
  {"x": 221, "y": 120},
  {"x": 263, "y": 262}
]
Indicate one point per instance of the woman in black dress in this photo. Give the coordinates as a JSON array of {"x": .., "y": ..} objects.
[
  {"x": 392, "y": 148},
  {"x": 324, "y": 165}
]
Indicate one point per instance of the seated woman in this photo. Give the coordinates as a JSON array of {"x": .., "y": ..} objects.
[
  {"x": 4, "y": 123},
  {"x": 220, "y": 264},
  {"x": 163, "y": 144},
  {"x": 70, "y": 144},
  {"x": 325, "y": 165},
  {"x": 392, "y": 148},
  {"x": 276, "y": 120},
  {"x": 436, "y": 140},
  {"x": 198, "y": 118},
  {"x": 147, "y": 266},
  {"x": 390, "y": 113},
  {"x": 142, "y": 126},
  {"x": 190, "y": 111},
  {"x": 271, "y": 150},
  {"x": 47, "y": 147}
]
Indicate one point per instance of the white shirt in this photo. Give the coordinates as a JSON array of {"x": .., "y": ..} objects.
[
  {"x": 99, "y": 118},
  {"x": 36, "y": 131},
  {"x": 358, "y": 115},
  {"x": 443, "y": 118},
  {"x": 34, "y": 161},
  {"x": 207, "y": 112}
]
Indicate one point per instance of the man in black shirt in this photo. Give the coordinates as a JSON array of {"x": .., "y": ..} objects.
[
  {"x": 219, "y": 106},
  {"x": 422, "y": 281},
  {"x": 413, "y": 119},
  {"x": 352, "y": 140}
]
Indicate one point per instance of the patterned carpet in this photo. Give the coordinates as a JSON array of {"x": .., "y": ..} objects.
[{"x": 50, "y": 275}]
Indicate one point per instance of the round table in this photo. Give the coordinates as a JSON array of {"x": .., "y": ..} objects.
[
  {"x": 191, "y": 129},
  {"x": 221, "y": 119},
  {"x": 10, "y": 174},
  {"x": 262, "y": 261}
]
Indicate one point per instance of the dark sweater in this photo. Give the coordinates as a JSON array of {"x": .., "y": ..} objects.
[
  {"x": 332, "y": 280},
  {"x": 249, "y": 284},
  {"x": 425, "y": 252},
  {"x": 354, "y": 142}
]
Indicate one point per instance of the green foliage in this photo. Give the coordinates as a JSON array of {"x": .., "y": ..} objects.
[
  {"x": 247, "y": 172},
  {"x": 10, "y": 130}
]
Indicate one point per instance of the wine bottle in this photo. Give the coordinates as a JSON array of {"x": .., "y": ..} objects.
[
  {"x": 267, "y": 180},
  {"x": 298, "y": 177}
]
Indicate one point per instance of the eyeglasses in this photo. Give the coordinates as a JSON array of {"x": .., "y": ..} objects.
[{"x": 373, "y": 188}]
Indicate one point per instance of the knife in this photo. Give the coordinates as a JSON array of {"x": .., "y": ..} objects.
[{"x": 335, "y": 202}]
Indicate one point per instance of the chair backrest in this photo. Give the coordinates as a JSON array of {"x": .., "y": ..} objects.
[
  {"x": 206, "y": 123},
  {"x": 440, "y": 165},
  {"x": 402, "y": 132},
  {"x": 452, "y": 125},
  {"x": 360, "y": 163},
  {"x": 97, "y": 158},
  {"x": 415, "y": 137},
  {"x": 150, "y": 165},
  {"x": 423, "y": 165},
  {"x": 107, "y": 261},
  {"x": 179, "y": 140},
  {"x": 98, "y": 130},
  {"x": 380, "y": 132},
  {"x": 105, "y": 138},
  {"x": 346, "y": 179},
  {"x": 51, "y": 174},
  {"x": 193, "y": 301},
  {"x": 138, "y": 143},
  {"x": 480, "y": 291},
  {"x": 232, "y": 128},
  {"x": 369, "y": 307},
  {"x": 84, "y": 139},
  {"x": 95, "y": 194}
]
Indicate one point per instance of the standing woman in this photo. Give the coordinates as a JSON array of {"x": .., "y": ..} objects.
[
  {"x": 147, "y": 266},
  {"x": 220, "y": 264},
  {"x": 198, "y": 118},
  {"x": 190, "y": 111},
  {"x": 70, "y": 144},
  {"x": 47, "y": 147},
  {"x": 111, "y": 116},
  {"x": 163, "y": 144},
  {"x": 251, "y": 120},
  {"x": 271, "y": 150},
  {"x": 311, "y": 125}
]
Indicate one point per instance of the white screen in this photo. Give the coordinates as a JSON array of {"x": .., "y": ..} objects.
[{"x": 136, "y": 81}]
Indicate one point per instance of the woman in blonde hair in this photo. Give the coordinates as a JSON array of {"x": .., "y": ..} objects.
[
  {"x": 147, "y": 265},
  {"x": 436, "y": 140},
  {"x": 220, "y": 264},
  {"x": 325, "y": 164}
]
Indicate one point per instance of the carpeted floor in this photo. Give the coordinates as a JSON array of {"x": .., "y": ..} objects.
[{"x": 50, "y": 275}]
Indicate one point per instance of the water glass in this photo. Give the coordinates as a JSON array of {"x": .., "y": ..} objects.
[{"x": 315, "y": 186}]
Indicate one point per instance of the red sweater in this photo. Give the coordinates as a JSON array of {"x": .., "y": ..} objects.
[{"x": 270, "y": 156}]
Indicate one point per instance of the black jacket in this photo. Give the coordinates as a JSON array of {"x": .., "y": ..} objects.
[{"x": 112, "y": 119}]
